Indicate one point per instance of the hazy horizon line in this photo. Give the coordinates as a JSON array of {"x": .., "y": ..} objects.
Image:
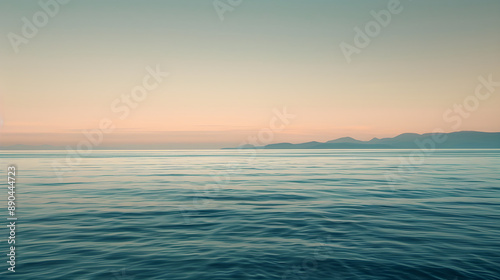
[{"x": 194, "y": 145}]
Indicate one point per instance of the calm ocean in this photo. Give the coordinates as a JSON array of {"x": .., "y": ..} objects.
[{"x": 278, "y": 214}]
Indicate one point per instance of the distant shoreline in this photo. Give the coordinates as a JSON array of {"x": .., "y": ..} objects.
[{"x": 452, "y": 140}]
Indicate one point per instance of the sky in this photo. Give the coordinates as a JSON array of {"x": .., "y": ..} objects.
[{"x": 211, "y": 74}]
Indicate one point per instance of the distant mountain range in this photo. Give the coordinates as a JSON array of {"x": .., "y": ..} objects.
[{"x": 453, "y": 140}]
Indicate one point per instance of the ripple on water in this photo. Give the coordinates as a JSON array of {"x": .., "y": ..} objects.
[{"x": 329, "y": 215}]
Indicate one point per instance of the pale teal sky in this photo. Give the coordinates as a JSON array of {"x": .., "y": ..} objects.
[{"x": 227, "y": 76}]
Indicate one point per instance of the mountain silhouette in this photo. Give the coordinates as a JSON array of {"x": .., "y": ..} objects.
[{"x": 453, "y": 140}]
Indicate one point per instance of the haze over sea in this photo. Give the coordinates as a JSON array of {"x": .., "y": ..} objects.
[{"x": 278, "y": 214}]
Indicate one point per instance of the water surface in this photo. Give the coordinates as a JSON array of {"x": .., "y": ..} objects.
[{"x": 276, "y": 214}]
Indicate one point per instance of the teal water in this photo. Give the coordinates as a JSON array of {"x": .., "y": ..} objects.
[{"x": 279, "y": 214}]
